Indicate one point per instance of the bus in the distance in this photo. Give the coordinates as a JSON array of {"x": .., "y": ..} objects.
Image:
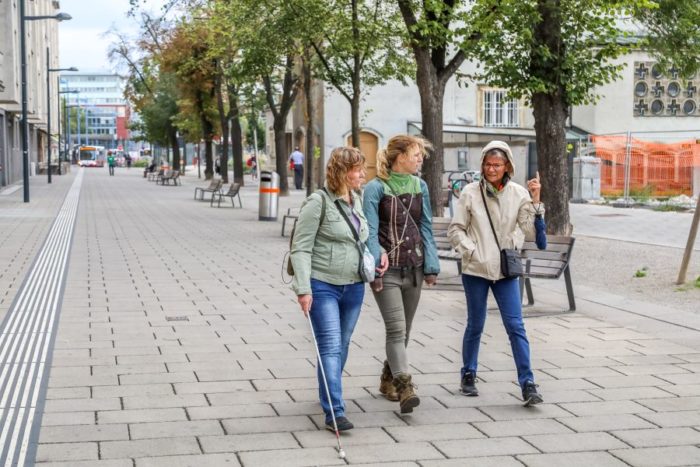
[{"x": 91, "y": 156}]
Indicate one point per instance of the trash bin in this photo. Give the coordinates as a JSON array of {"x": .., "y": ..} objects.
[{"x": 269, "y": 195}]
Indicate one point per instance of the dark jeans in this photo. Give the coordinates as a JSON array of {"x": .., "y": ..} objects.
[
  {"x": 111, "y": 170},
  {"x": 507, "y": 294},
  {"x": 334, "y": 313},
  {"x": 298, "y": 176}
]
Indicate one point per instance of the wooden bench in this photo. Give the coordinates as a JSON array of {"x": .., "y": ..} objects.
[
  {"x": 444, "y": 247},
  {"x": 170, "y": 175},
  {"x": 548, "y": 264},
  {"x": 214, "y": 187},
  {"x": 233, "y": 192},
  {"x": 292, "y": 213},
  {"x": 155, "y": 175}
]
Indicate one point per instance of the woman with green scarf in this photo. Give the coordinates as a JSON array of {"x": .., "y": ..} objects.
[{"x": 397, "y": 208}]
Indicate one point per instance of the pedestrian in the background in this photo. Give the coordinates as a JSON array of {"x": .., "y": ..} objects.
[
  {"x": 397, "y": 207},
  {"x": 217, "y": 166},
  {"x": 325, "y": 257},
  {"x": 111, "y": 161},
  {"x": 253, "y": 166},
  {"x": 297, "y": 158},
  {"x": 128, "y": 161},
  {"x": 491, "y": 215}
]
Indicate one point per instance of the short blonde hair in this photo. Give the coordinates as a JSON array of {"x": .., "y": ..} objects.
[
  {"x": 342, "y": 160},
  {"x": 398, "y": 145}
]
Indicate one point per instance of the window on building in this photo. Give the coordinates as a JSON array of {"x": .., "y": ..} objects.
[
  {"x": 462, "y": 160},
  {"x": 498, "y": 111}
]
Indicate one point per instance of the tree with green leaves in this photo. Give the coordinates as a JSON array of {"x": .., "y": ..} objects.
[
  {"x": 267, "y": 33},
  {"x": 151, "y": 91},
  {"x": 435, "y": 29},
  {"x": 359, "y": 44},
  {"x": 554, "y": 53},
  {"x": 186, "y": 55}
]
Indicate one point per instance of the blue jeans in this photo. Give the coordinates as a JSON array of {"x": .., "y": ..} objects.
[
  {"x": 507, "y": 294},
  {"x": 334, "y": 313}
]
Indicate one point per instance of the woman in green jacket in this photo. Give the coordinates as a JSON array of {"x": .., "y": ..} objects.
[{"x": 326, "y": 261}]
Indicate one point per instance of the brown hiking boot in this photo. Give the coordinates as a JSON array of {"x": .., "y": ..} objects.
[
  {"x": 407, "y": 394},
  {"x": 386, "y": 384}
]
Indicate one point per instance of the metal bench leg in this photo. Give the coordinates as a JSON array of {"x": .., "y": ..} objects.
[
  {"x": 528, "y": 289},
  {"x": 569, "y": 289},
  {"x": 284, "y": 221}
]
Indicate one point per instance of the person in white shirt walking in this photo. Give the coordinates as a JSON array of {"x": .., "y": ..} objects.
[{"x": 297, "y": 158}]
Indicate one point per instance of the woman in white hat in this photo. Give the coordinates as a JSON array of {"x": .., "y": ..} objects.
[{"x": 491, "y": 215}]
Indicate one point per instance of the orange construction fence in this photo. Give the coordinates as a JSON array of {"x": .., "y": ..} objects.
[{"x": 660, "y": 169}]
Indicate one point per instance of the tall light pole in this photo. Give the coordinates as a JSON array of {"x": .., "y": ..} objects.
[
  {"x": 68, "y": 127},
  {"x": 64, "y": 121},
  {"x": 49, "y": 70},
  {"x": 24, "y": 128}
]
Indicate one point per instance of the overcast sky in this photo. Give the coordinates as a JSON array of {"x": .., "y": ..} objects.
[{"x": 83, "y": 42}]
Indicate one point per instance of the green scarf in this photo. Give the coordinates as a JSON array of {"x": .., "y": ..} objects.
[
  {"x": 401, "y": 183},
  {"x": 493, "y": 190}
]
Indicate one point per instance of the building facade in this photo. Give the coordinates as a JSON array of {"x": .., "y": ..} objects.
[
  {"x": 97, "y": 113},
  {"x": 477, "y": 113},
  {"x": 41, "y": 40}
]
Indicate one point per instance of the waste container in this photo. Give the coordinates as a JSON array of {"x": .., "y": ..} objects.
[{"x": 269, "y": 195}]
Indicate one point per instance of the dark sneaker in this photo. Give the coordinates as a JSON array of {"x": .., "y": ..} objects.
[
  {"x": 343, "y": 424},
  {"x": 469, "y": 385},
  {"x": 530, "y": 394}
]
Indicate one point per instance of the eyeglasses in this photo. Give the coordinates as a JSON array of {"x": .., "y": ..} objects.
[{"x": 494, "y": 166}]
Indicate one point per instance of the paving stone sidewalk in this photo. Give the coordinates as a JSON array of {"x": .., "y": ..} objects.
[{"x": 179, "y": 345}]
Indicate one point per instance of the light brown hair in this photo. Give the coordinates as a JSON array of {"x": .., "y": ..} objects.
[
  {"x": 342, "y": 160},
  {"x": 397, "y": 145}
]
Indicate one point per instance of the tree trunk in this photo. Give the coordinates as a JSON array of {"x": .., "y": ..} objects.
[
  {"x": 550, "y": 113},
  {"x": 281, "y": 156},
  {"x": 309, "y": 123},
  {"x": 223, "y": 121},
  {"x": 355, "y": 118},
  {"x": 236, "y": 139},
  {"x": 433, "y": 71},
  {"x": 432, "y": 92},
  {"x": 174, "y": 144}
]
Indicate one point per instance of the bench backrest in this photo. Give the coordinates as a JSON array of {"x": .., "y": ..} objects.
[
  {"x": 215, "y": 184},
  {"x": 233, "y": 189},
  {"x": 440, "y": 225},
  {"x": 550, "y": 262}
]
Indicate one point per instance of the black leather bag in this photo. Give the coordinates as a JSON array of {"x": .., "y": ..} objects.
[{"x": 511, "y": 263}]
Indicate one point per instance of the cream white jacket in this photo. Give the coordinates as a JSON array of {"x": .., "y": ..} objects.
[{"x": 513, "y": 216}]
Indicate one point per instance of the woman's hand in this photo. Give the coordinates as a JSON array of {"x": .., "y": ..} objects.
[
  {"x": 534, "y": 187},
  {"x": 430, "y": 280},
  {"x": 383, "y": 264},
  {"x": 305, "y": 303}
]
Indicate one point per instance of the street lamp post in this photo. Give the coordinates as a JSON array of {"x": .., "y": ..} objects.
[
  {"x": 49, "y": 70},
  {"x": 24, "y": 128},
  {"x": 64, "y": 120}
]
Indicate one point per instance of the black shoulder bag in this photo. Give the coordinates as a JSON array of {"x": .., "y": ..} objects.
[{"x": 511, "y": 264}]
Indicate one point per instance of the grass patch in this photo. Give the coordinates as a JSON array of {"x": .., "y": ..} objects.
[
  {"x": 641, "y": 272},
  {"x": 669, "y": 208}
]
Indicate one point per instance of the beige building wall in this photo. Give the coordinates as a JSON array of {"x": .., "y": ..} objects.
[{"x": 39, "y": 34}]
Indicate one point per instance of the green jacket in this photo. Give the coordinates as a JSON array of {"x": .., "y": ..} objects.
[
  {"x": 327, "y": 252},
  {"x": 110, "y": 160}
]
